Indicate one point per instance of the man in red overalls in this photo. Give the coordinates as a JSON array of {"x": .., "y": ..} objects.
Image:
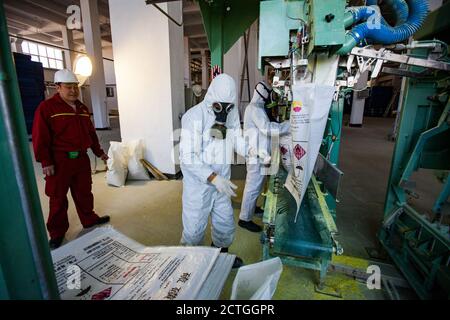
[{"x": 62, "y": 133}]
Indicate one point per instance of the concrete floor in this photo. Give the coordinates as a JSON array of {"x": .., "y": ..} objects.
[{"x": 150, "y": 212}]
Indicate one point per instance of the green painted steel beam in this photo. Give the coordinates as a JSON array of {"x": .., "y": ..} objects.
[
  {"x": 26, "y": 267},
  {"x": 436, "y": 24},
  {"x": 324, "y": 210},
  {"x": 443, "y": 197},
  {"x": 225, "y": 22},
  {"x": 416, "y": 155},
  {"x": 213, "y": 16},
  {"x": 415, "y": 110}
]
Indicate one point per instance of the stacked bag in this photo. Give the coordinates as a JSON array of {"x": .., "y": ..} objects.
[{"x": 125, "y": 162}]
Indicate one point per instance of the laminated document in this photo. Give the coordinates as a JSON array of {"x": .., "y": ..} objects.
[
  {"x": 309, "y": 114},
  {"x": 106, "y": 265}
]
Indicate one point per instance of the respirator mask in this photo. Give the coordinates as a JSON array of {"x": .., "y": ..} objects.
[
  {"x": 221, "y": 111},
  {"x": 270, "y": 98}
]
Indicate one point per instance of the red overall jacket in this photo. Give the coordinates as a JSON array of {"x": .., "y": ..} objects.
[{"x": 57, "y": 127}]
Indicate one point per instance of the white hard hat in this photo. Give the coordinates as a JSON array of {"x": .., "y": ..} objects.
[{"x": 65, "y": 76}]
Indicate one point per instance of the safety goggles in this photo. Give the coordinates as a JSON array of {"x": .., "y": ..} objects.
[{"x": 219, "y": 107}]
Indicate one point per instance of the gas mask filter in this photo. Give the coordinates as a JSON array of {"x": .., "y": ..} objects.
[
  {"x": 221, "y": 111},
  {"x": 270, "y": 101}
]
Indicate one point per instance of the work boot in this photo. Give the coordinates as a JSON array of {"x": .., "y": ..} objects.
[
  {"x": 55, "y": 243},
  {"x": 249, "y": 225},
  {"x": 259, "y": 211},
  {"x": 222, "y": 250},
  {"x": 238, "y": 262},
  {"x": 101, "y": 220}
]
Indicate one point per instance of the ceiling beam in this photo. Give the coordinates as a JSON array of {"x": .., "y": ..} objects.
[
  {"x": 11, "y": 16},
  {"x": 199, "y": 49},
  {"x": 53, "y": 7},
  {"x": 192, "y": 21},
  {"x": 32, "y": 10},
  {"x": 157, "y": 1},
  {"x": 36, "y": 21},
  {"x": 26, "y": 28},
  {"x": 103, "y": 10},
  {"x": 193, "y": 43},
  {"x": 197, "y": 35},
  {"x": 191, "y": 9},
  {"x": 42, "y": 38}
]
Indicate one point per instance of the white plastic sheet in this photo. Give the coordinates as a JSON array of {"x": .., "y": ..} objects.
[
  {"x": 257, "y": 281},
  {"x": 136, "y": 150},
  {"x": 309, "y": 114},
  {"x": 117, "y": 164},
  {"x": 106, "y": 265}
]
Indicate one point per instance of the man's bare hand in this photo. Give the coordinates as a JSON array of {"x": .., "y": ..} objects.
[
  {"x": 49, "y": 171},
  {"x": 104, "y": 157}
]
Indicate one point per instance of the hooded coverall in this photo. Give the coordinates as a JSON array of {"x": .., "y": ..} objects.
[
  {"x": 57, "y": 130},
  {"x": 200, "y": 156},
  {"x": 258, "y": 130}
]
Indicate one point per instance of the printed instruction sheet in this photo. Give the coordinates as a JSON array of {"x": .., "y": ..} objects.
[{"x": 105, "y": 264}]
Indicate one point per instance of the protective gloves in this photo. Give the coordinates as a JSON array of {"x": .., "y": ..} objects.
[
  {"x": 224, "y": 186},
  {"x": 262, "y": 154}
]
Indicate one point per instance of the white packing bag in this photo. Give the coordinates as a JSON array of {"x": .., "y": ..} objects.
[
  {"x": 257, "y": 281},
  {"x": 309, "y": 115},
  {"x": 286, "y": 151},
  {"x": 117, "y": 164},
  {"x": 136, "y": 150}
]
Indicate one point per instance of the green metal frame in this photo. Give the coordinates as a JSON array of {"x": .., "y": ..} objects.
[
  {"x": 225, "y": 22},
  {"x": 331, "y": 145},
  {"x": 26, "y": 268},
  {"x": 308, "y": 243},
  {"x": 443, "y": 196},
  {"x": 326, "y": 35},
  {"x": 420, "y": 248},
  {"x": 274, "y": 27}
]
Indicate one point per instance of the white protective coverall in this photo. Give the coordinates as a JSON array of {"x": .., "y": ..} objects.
[
  {"x": 258, "y": 130},
  {"x": 200, "y": 156}
]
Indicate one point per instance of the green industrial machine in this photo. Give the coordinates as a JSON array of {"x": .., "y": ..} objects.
[
  {"x": 419, "y": 241},
  {"x": 330, "y": 41},
  {"x": 417, "y": 236},
  {"x": 306, "y": 32}
]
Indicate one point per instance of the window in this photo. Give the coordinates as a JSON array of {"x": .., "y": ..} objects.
[{"x": 49, "y": 57}]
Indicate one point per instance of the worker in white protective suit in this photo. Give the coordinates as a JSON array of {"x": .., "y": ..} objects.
[
  {"x": 259, "y": 130},
  {"x": 210, "y": 134}
]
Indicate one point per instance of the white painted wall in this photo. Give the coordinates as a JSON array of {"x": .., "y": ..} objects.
[
  {"x": 255, "y": 73},
  {"x": 232, "y": 63},
  {"x": 149, "y": 80}
]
